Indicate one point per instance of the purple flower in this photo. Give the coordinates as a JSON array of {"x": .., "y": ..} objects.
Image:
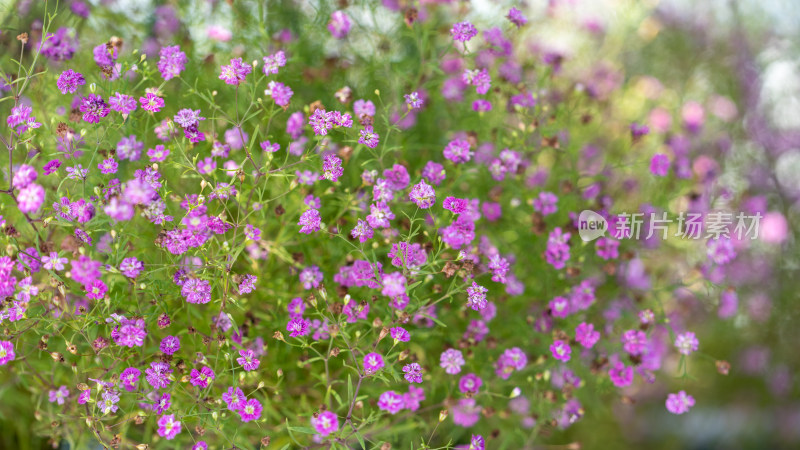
[
  {"x": 481, "y": 105},
  {"x": 413, "y": 100},
  {"x": 466, "y": 413},
  {"x": 476, "y": 296},
  {"x": 373, "y": 362},
  {"x": 433, "y": 172},
  {"x": 59, "y": 46},
  {"x": 124, "y": 104},
  {"x": 196, "y": 291},
  {"x": 131, "y": 267},
  {"x": 686, "y": 343},
  {"x": 332, "y": 167},
  {"x": 451, "y": 361},
  {"x": 273, "y": 62},
  {"x": 478, "y": 78},
  {"x": 390, "y": 402},
  {"x": 188, "y": 117},
  {"x": 423, "y": 195},
  {"x": 309, "y": 221},
  {"x": 339, "y": 24},
  {"x": 22, "y": 119},
  {"x": 638, "y": 131},
  {"x": 310, "y": 276},
  {"x": 297, "y": 327},
  {"x": 413, "y": 373},
  {"x": 458, "y": 151},
  {"x": 545, "y": 203},
  {"x": 251, "y": 410},
  {"x": 51, "y": 167},
  {"x": 235, "y": 73},
  {"x": 69, "y": 81},
  {"x": 659, "y": 165},
  {"x": 202, "y": 378},
  {"x": 463, "y": 31},
  {"x": 362, "y": 231},
  {"x": 168, "y": 427},
  {"x": 248, "y": 284},
  {"x": 456, "y": 205},
  {"x": 279, "y": 92},
  {"x": 93, "y": 108},
  {"x": 470, "y": 384},
  {"x": 151, "y": 102},
  {"x": 620, "y": 375},
  {"x": 248, "y": 360},
  {"x": 6, "y": 352},
  {"x": 679, "y": 403},
  {"x": 325, "y": 423},
  {"x": 234, "y": 398},
  {"x": 108, "y": 166},
  {"x": 557, "y": 252},
  {"x": 561, "y": 350},
  {"x": 170, "y": 345},
  {"x": 380, "y": 215},
  {"x": 368, "y": 137},
  {"x": 95, "y": 290},
  {"x": 58, "y": 395},
  {"x": 109, "y": 402},
  {"x": 516, "y": 17},
  {"x": 129, "y": 378},
  {"x": 268, "y": 146},
  {"x": 25, "y": 175},
  {"x": 158, "y": 374},
  {"x": 634, "y": 342},
  {"x": 30, "y": 198},
  {"x": 400, "y": 334},
  {"x": 163, "y": 403},
  {"x": 363, "y": 107},
  {"x": 586, "y": 335},
  {"x": 172, "y": 61}
]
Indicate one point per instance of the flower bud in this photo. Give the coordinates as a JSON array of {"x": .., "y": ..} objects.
[
  {"x": 442, "y": 415},
  {"x": 384, "y": 332}
]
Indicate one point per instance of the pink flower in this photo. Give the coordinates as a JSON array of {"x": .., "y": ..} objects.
[
  {"x": 561, "y": 350},
  {"x": 96, "y": 290},
  {"x": 325, "y": 423},
  {"x": 297, "y": 326},
  {"x": 620, "y": 375},
  {"x": 235, "y": 73},
  {"x": 390, "y": 402},
  {"x": 251, "y": 410},
  {"x": 6, "y": 352},
  {"x": 586, "y": 335},
  {"x": 247, "y": 360},
  {"x": 309, "y": 221},
  {"x": 470, "y": 383},
  {"x": 168, "y": 427},
  {"x": 202, "y": 378},
  {"x": 423, "y": 195},
  {"x": 373, "y": 362},
  {"x": 413, "y": 373},
  {"x": 686, "y": 343},
  {"x": 339, "y": 25},
  {"x": 451, "y": 361},
  {"x": 659, "y": 165},
  {"x": 151, "y": 102},
  {"x": 679, "y": 403}
]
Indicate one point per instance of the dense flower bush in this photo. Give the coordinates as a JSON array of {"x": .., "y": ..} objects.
[{"x": 360, "y": 227}]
